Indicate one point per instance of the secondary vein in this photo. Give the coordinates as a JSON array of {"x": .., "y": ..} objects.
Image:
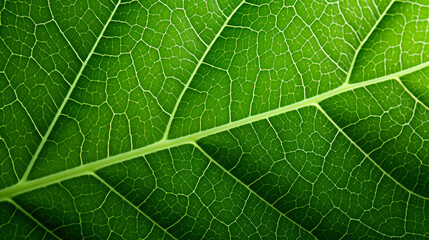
[
  {"x": 366, "y": 39},
  {"x": 89, "y": 168},
  {"x": 57, "y": 115},
  {"x": 179, "y": 100}
]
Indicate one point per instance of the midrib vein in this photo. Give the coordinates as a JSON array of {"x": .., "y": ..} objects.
[
  {"x": 57, "y": 115},
  {"x": 90, "y": 168}
]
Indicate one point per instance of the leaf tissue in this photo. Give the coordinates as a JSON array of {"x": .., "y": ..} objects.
[{"x": 216, "y": 119}]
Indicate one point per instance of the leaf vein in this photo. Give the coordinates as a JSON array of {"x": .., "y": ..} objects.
[
  {"x": 57, "y": 115},
  {"x": 367, "y": 155}
]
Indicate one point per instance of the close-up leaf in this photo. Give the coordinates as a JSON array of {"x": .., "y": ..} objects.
[{"x": 214, "y": 119}]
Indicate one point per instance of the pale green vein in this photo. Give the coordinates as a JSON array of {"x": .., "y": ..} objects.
[
  {"x": 57, "y": 115},
  {"x": 179, "y": 100},
  {"x": 27, "y": 113},
  {"x": 321, "y": 46},
  {"x": 131, "y": 204},
  {"x": 248, "y": 188},
  {"x": 10, "y": 157},
  {"x": 34, "y": 219},
  {"x": 26, "y": 186},
  {"x": 1, "y": 10},
  {"x": 61, "y": 31},
  {"x": 366, "y": 155},
  {"x": 366, "y": 39},
  {"x": 411, "y": 94}
]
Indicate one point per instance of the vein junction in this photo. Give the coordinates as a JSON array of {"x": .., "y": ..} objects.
[{"x": 90, "y": 168}]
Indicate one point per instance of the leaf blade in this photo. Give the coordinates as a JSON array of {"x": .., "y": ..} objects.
[{"x": 164, "y": 76}]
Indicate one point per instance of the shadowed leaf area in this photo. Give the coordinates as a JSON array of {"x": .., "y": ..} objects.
[{"x": 217, "y": 119}]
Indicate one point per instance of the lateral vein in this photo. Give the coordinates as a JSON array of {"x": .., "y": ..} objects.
[
  {"x": 57, "y": 115},
  {"x": 352, "y": 65},
  {"x": 18, "y": 207},
  {"x": 89, "y": 168},
  {"x": 251, "y": 190},
  {"x": 366, "y": 154},
  {"x": 112, "y": 189},
  {"x": 179, "y": 99}
]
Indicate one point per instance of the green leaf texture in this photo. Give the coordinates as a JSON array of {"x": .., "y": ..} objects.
[{"x": 217, "y": 119}]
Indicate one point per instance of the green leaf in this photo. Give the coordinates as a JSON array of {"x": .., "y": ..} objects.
[{"x": 214, "y": 119}]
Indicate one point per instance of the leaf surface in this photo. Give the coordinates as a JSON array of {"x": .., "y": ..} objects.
[{"x": 214, "y": 119}]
